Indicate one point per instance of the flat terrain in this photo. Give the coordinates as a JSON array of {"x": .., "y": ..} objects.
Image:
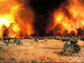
[{"x": 41, "y": 51}]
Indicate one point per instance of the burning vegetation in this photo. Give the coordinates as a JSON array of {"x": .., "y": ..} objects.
[
  {"x": 15, "y": 18},
  {"x": 18, "y": 21},
  {"x": 68, "y": 20}
]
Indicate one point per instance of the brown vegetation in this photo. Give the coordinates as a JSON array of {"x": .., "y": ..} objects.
[{"x": 41, "y": 51}]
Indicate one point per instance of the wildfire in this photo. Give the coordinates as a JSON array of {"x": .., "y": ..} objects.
[
  {"x": 12, "y": 17},
  {"x": 68, "y": 18}
]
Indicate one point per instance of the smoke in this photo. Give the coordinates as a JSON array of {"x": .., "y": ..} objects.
[{"x": 42, "y": 10}]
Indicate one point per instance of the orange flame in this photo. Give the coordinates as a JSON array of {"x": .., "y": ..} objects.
[
  {"x": 16, "y": 19},
  {"x": 70, "y": 18}
]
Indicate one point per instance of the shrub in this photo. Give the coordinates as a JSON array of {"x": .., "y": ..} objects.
[
  {"x": 12, "y": 59},
  {"x": 6, "y": 40},
  {"x": 17, "y": 41},
  {"x": 36, "y": 40},
  {"x": 1, "y": 47},
  {"x": 82, "y": 38},
  {"x": 65, "y": 39}
]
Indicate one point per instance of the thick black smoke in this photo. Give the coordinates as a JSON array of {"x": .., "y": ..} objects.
[{"x": 42, "y": 9}]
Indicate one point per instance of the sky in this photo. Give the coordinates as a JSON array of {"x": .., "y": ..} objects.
[{"x": 42, "y": 10}]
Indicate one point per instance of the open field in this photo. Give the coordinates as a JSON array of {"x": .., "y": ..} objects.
[{"x": 41, "y": 51}]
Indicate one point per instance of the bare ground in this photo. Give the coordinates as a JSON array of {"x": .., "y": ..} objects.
[{"x": 42, "y": 51}]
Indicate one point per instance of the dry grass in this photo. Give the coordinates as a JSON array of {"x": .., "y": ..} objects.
[{"x": 43, "y": 51}]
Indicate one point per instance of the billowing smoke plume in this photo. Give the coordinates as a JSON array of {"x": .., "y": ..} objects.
[{"x": 42, "y": 9}]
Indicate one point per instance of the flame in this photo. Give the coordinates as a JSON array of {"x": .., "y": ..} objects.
[
  {"x": 12, "y": 17},
  {"x": 2, "y": 0},
  {"x": 4, "y": 21},
  {"x": 68, "y": 18}
]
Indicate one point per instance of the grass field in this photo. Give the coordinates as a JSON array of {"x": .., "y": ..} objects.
[{"x": 41, "y": 51}]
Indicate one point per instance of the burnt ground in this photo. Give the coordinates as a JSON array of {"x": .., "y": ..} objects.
[{"x": 41, "y": 51}]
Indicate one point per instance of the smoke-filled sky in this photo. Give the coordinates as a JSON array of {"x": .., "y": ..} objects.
[
  {"x": 42, "y": 10},
  {"x": 44, "y": 6}
]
